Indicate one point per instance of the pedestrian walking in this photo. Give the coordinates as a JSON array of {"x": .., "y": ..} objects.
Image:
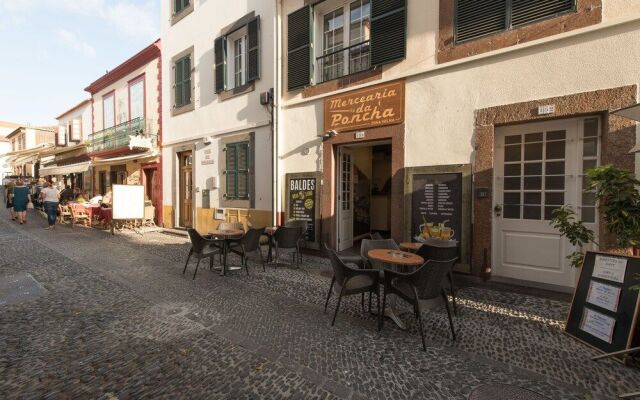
[
  {"x": 8, "y": 195},
  {"x": 50, "y": 199},
  {"x": 20, "y": 200}
]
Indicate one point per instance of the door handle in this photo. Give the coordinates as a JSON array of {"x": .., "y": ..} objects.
[{"x": 497, "y": 210}]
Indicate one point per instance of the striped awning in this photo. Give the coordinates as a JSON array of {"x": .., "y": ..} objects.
[{"x": 65, "y": 169}]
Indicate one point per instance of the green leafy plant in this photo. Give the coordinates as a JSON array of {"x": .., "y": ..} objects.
[
  {"x": 616, "y": 190},
  {"x": 564, "y": 219}
]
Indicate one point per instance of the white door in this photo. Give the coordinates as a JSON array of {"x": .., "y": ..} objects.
[
  {"x": 539, "y": 167},
  {"x": 344, "y": 202}
]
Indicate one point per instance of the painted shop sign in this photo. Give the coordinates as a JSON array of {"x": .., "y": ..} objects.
[
  {"x": 367, "y": 108},
  {"x": 302, "y": 202}
]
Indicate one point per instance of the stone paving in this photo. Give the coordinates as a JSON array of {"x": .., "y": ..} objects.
[{"x": 117, "y": 319}]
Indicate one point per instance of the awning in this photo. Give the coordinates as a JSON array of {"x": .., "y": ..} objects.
[
  {"x": 633, "y": 113},
  {"x": 137, "y": 156},
  {"x": 65, "y": 169}
]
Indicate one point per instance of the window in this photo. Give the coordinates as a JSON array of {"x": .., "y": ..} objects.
[
  {"x": 75, "y": 132},
  {"x": 237, "y": 172},
  {"x": 108, "y": 110},
  {"x": 478, "y": 18},
  {"x": 350, "y": 43},
  {"x": 237, "y": 56},
  {"x": 590, "y": 156},
  {"x": 179, "y": 5},
  {"x": 182, "y": 82},
  {"x": 136, "y": 99}
]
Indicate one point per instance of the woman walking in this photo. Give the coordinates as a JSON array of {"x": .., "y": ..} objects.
[
  {"x": 20, "y": 200},
  {"x": 50, "y": 199},
  {"x": 8, "y": 195}
]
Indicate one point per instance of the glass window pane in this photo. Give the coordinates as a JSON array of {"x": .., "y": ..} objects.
[
  {"x": 590, "y": 148},
  {"x": 588, "y": 199},
  {"x": 533, "y": 169},
  {"x": 533, "y": 183},
  {"x": 511, "y": 198},
  {"x": 554, "y": 168},
  {"x": 512, "y": 139},
  {"x": 588, "y": 214},
  {"x": 512, "y": 183},
  {"x": 548, "y": 212},
  {"x": 591, "y": 127},
  {"x": 531, "y": 212},
  {"x": 512, "y": 170},
  {"x": 554, "y": 198},
  {"x": 533, "y": 151},
  {"x": 555, "y": 150},
  {"x": 512, "y": 153},
  {"x": 533, "y": 137},
  {"x": 556, "y": 135},
  {"x": 511, "y": 212},
  {"x": 532, "y": 198},
  {"x": 589, "y": 164},
  {"x": 554, "y": 183}
]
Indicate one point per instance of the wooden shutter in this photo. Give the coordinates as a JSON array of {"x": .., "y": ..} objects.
[
  {"x": 220, "y": 59},
  {"x": 528, "y": 11},
  {"x": 186, "y": 82},
  {"x": 61, "y": 138},
  {"x": 231, "y": 173},
  {"x": 178, "y": 92},
  {"x": 243, "y": 171},
  {"x": 477, "y": 18},
  {"x": 253, "y": 49},
  {"x": 299, "y": 65},
  {"x": 388, "y": 31}
]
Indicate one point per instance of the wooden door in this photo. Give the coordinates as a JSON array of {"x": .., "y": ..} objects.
[
  {"x": 345, "y": 198},
  {"x": 186, "y": 189},
  {"x": 153, "y": 190}
]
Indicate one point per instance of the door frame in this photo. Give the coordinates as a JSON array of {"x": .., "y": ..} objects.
[
  {"x": 339, "y": 211},
  {"x": 179, "y": 189},
  {"x": 158, "y": 168}
]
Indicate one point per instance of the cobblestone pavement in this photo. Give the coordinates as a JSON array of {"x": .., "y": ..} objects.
[{"x": 116, "y": 319}]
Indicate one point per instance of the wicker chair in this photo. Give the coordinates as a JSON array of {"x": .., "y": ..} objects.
[
  {"x": 425, "y": 283},
  {"x": 349, "y": 281},
  {"x": 249, "y": 243},
  {"x": 201, "y": 248},
  {"x": 369, "y": 244},
  {"x": 442, "y": 253},
  {"x": 303, "y": 226}
]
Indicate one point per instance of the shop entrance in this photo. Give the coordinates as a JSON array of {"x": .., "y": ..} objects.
[
  {"x": 363, "y": 192},
  {"x": 153, "y": 189},
  {"x": 185, "y": 160}
]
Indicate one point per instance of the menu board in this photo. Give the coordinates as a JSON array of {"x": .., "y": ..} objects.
[
  {"x": 604, "y": 311},
  {"x": 302, "y": 202},
  {"x": 437, "y": 206}
]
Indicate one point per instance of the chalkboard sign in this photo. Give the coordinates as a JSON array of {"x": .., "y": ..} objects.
[
  {"x": 302, "y": 201},
  {"x": 604, "y": 311}
]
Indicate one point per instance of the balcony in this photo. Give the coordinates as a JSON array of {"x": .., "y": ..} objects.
[
  {"x": 333, "y": 65},
  {"x": 135, "y": 134}
]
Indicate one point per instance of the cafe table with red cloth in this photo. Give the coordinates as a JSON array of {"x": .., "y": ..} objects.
[
  {"x": 227, "y": 235},
  {"x": 105, "y": 215},
  {"x": 90, "y": 209},
  {"x": 403, "y": 261}
]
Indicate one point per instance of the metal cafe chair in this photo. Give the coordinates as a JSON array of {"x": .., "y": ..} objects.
[
  {"x": 349, "y": 281},
  {"x": 201, "y": 248},
  {"x": 425, "y": 283}
]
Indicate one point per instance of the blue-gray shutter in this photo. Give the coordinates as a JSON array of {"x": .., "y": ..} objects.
[
  {"x": 528, "y": 11},
  {"x": 253, "y": 49},
  {"x": 388, "y": 31},
  {"x": 299, "y": 65},
  {"x": 220, "y": 59}
]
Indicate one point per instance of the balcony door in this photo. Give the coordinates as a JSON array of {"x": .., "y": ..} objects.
[{"x": 186, "y": 189}]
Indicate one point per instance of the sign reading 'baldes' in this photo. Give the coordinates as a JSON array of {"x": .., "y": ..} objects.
[{"x": 368, "y": 108}]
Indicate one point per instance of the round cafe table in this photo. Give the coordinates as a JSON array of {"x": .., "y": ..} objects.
[
  {"x": 227, "y": 235},
  {"x": 401, "y": 259},
  {"x": 410, "y": 246},
  {"x": 270, "y": 231}
]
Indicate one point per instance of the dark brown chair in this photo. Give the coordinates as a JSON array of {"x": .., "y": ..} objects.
[
  {"x": 302, "y": 227},
  {"x": 249, "y": 243},
  {"x": 287, "y": 238},
  {"x": 442, "y": 252},
  {"x": 425, "y": 283},
  {"x": 201, "y": 248},
  {"x": 349, "y": 281}
]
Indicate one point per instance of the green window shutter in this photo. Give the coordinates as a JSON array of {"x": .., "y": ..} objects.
[
  {"x": 178, "y": 100},
  {"x": 220, "y": 59},
  {"x": 299, "y": 34},
  {"x": 243, "y": 171},
  {"x": 186, "y": 82},
  {"x": 253, "y": 52},
  {"x": 388, "y": 31},
  {"x": 232, "y": 172}
]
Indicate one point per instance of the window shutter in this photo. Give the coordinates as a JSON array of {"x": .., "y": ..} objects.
[
  {"x": 253, "y": 52},
  {"x": 477, "y": 18},
  {"x": 186, "y": 83},
  {"x": 388, "y": 31},
  {"x": 231, "y": 172},
  {"x": 220, "y": 55},
  {"x": 243, "y": 170},
  {"x": 527, "y": 11},
  {"x": 299, "y": 48},
  {"x": 179, "y": 100}
]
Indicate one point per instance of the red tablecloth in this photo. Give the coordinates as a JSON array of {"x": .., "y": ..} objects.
[{"x": 105, "y": 214}]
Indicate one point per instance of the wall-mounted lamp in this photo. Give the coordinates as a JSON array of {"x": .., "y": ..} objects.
[{"x": 329, "y": 134}]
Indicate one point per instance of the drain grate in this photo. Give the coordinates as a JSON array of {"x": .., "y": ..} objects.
[
  {"x": 18, "y": 288},
  {"x": 504, "y": 392}
]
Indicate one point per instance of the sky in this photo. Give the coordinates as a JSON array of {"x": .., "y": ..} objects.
[{"x": 50, "y": 50}]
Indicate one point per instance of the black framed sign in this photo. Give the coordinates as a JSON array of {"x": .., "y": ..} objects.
[
  {"x": 302, "y": 202},
  {"x": 605, "y": 307}
]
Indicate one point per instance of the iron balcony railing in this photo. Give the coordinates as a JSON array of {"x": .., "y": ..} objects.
[
  {"x": 123, "y": 134},
  {"x": 333, "y": 65}
]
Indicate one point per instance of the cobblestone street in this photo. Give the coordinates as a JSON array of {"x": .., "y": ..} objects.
[{"x": 113, "y": 317}]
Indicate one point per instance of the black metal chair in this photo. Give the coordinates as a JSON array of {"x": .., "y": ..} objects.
[
  {"x": 349, "y": 281},
  {"x": 201, "y": 248},
  {"x": 287, "y": 238},
  {"x": 442, "y": 252},
  {"x": 425, "y": 283},
  {"x": 303, "y": 226},
  {"x": 249, "y": 243}
]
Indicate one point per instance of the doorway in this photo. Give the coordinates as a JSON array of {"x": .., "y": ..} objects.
[
  {"x": 185, "y": 162},
  {"x": 363, "y": 192},
  {"x": 538, "y": 168},
  {"x": 153, "y": 190}
]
